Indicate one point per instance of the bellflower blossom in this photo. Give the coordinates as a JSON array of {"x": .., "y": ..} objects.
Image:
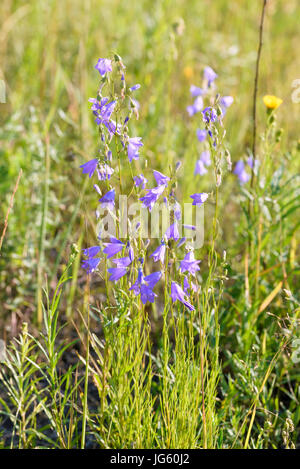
[
  {"x": 112, "y": 248},
  {"x": 144, "y": 286},
  {"x": 92, "y": 251},
  {"x": 103, "y": 111},
  {"x": 108, "y": 200},
  {"x": 152, "y": 196},
  {"x": 89, "y": 167},
  {"x": 97, "y": 104},
  {"x": 225, "y": 102},
  {"x": 189, "y": 227},
  {"x": 130, "y": 252},
  {"x": 209, "y": 75},
  {"x": 200, "y": 168},
  {"x": 178, "y": 294},
  {"x": 209, "y": 115},
  {"x": 159, "y": 253},
  {"x": 172, "y": 232},
  {"x": 205, "y": 158},
  {"x": 160, "y": 178},
  {"x": 104, "y": 172},
  {"x": 103, "y": 66},
  {"x": 250, "y": 163},
  {"x": 90, "y": 265},
  {"x": 241, "y": 173},
  {"x": 197, "y": 106},
  {"x": 177, "y": 210},
  {"x": 196, "y": 91},
  {"x": 201, "y": 134},
  {"x": 136, "y": 104},
  {"x": 135, "y": 87},
  {"x": 187, "y": 286},
  {"x": 189, "y": 264},
  {"x": 199, "y": 198},
  {"x": 116, "y": 273},
  {"x": 122, "y": 262},
  {"x": 140, "y": 181},
  {"x": 133, "y": 146}
]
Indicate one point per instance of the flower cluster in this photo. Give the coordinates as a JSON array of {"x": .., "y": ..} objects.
[
  {"x": 211, "y": 115},
  {"x": 129, "y": 259},
  {"x": 240, "y": 169}
]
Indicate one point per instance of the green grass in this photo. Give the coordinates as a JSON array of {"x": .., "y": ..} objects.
[{"x": 134, "y": 377}]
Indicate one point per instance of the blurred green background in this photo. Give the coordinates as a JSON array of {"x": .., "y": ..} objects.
[{"x": 48, "y": 50}]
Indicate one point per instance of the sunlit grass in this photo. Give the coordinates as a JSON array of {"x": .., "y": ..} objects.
[{"x": 227, "y": 378}]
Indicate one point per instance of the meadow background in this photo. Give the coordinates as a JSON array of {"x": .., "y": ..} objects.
[{"x": 47, "y": 53}]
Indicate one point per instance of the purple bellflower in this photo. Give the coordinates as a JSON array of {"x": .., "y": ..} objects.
[
  {"x": 136, "y": 103},
  {"x": 209, "y": 75},
  {"x": 199, "y": 198},
  {"x": 103, "y": 66},
  {"x": 200, "y": 168},
  {"x": 97, "y": 104},
  {"x": 122, "y": 262},
  {"x": 250, "y": 163},
  {"x": 186, "y": 286},
  {"x": 226, "y": 101},
  {"x": 241, "y": 173},
  {"x": 103, "y": 111},
  {"x": 209, "y": 115},
  {"x": 152, "y": 196},
  {"x": 130, "y": 252},
  {"x": 144, "y": 286},
  {"x": 190, "y": 227},
  {"x": 133, "y": 146},
  {"x": 89, "y": 167},
  {"x": 153, "y": 278},
  {"x": 189, "y": 264},
  {"x": 106, "y": 111},
  {"x": 91, "y": 252},
  {"x": 197, "y": 106},
  {"x": 205, "y": 158},
  {"x": 159, "y": 253},
  {"x": 112, "y": 248},
  {"x": 196, "y": 91},
  {"x": 201, "y": 134},
  {"x": 160, "y": 178},
  {"x": 177, "y": 210},
  {"x": 104, "y": 172},
  {"x": 90, "y": 265},
  {"x": 108, "y": 200},
  {"x": 178, "y": 294},
  {"x": 172, "y": 232},
  {"x": 140, "y": 181},
  {"x": 116, "y": 273},
  {"x": 135, "y": 87}
]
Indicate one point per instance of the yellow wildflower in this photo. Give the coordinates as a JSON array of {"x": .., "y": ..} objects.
[
  {"x": 271, "y": 102},
  {"x": 188, "y": 72}
]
